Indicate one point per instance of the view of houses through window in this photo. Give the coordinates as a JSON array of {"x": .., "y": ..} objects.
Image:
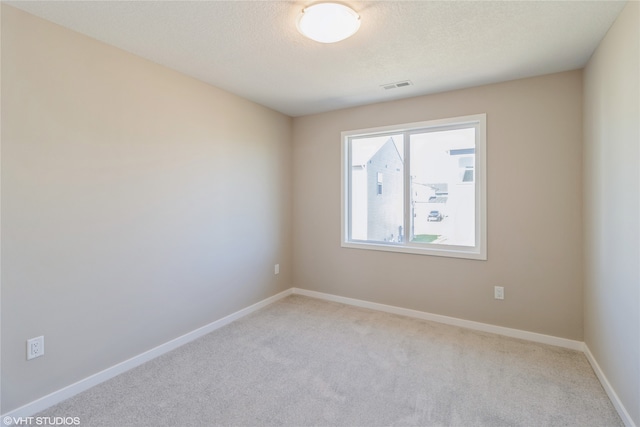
[
  {"x": 442, "y": 190},
  {"x": 377, "y": 207},
  {"x": 416, "y": 187}
]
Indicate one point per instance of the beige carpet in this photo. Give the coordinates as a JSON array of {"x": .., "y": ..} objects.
[{"x": 306, "y": 362}]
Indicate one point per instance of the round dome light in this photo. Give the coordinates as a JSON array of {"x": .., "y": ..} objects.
[{"x": 328, "y": 22}]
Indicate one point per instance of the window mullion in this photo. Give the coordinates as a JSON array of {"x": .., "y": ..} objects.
[
  {"x": 407, "y": 189},
  {"x": 349, "y": 154}
]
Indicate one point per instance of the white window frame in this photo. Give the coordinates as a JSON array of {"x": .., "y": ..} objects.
[{"x": 477, "y": 252}]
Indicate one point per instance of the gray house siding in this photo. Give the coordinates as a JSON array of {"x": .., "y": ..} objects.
[{"x": 385, "y": 198}]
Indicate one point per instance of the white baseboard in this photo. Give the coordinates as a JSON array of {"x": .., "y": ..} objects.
[
  {"x": 469, "y": 324},
  {"x": 613, "y": 396},
  {"x": 58, "y": 396},
  {"x": 500, "y": 330},
  {"x": 71, "y": 390}
]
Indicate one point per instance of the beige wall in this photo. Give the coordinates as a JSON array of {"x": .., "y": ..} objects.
[
  {"x": 534, "y": 155},
  {"x": 611, "y": 206},
  {"x": 137, "y": 205}
]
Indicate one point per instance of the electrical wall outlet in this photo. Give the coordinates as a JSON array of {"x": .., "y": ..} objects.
[
  {"x": 276, "y": 269},
  {"x": 498, "y": 292},
  {"x": 35, "y": 347}
]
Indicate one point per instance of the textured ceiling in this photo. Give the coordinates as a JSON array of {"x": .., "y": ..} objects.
[{"x": 252, "y": 48}]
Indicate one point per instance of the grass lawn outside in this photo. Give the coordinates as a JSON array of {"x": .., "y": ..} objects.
[{"x": 425, "y": 238}]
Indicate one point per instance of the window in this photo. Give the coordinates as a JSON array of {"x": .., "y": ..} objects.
[{"x": 434, "y": 198}]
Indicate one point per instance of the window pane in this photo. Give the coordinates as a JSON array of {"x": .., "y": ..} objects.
[
  {"x": 436, "y": 205},
  {"x": 442, "y": 187},
  {"x": 377, "y": 191}
]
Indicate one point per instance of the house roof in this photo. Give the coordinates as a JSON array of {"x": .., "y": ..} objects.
[{"x": 369, "y": 147}]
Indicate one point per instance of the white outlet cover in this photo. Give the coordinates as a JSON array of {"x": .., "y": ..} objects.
[
  {"x": 35, "y": 347},
  {"x": 276, "y": 269}
]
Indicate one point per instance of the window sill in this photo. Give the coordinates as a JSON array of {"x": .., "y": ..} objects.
[{"x": 478, "y": 254}]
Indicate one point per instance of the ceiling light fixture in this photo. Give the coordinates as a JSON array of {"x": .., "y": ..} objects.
[{"x": 328, "y": 22}]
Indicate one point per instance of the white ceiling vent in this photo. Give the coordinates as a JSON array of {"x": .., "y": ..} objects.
[{"x": 397, "y": 85}]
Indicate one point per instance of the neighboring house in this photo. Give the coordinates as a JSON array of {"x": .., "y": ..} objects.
[
  {"x": 377, "y": 211},
  {"x": 462, "y": 196},
  {"x": 426, "y": 197},
  {"x": 377, "y": 196},
  {"x": 453, "y": 198}
]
